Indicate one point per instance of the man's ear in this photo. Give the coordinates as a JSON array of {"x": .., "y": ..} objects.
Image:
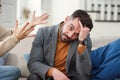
[{"x": 67, "y": 19}]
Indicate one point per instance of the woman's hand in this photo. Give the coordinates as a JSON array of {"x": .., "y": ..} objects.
[
  {"x": 39, "y": 20},
  {"x": 24, "y": 31}
]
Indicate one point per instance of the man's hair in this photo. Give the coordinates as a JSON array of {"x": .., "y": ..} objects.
[{"x": 84, "y": 18}]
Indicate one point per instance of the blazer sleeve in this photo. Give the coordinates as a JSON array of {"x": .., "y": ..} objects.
[
  {"x": 83, "y": 62},
  {"x": 7, "y": 40},
  {"x": 36, "y": 63}
]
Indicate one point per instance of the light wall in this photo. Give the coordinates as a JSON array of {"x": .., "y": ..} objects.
[
  {"x": 29, "y": 5},
  {"x": 62, "y": 8},
  {"x": 104, "y": 28},
  {"x": 59, "y": 9}
]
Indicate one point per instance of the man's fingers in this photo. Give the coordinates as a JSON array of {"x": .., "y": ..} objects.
[
  {"x": 81, "y": 26},
  {"x": 86, "y": 28}
]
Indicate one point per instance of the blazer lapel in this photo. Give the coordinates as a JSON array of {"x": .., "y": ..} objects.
[
  {"x": 71, "y": 51},
  {"x": 53, "y": 43}
]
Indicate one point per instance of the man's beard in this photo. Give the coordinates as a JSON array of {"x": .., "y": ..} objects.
[{"x": 67, "y": 39}]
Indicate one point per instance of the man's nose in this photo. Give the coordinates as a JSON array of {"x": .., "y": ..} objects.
[{"x": 70, "y": 34}]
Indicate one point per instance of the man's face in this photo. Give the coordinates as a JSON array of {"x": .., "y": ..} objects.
[{"x": 70, "y": 31}]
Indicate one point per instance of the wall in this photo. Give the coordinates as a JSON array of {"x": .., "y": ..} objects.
[
  {"x": 25, "y": 9},
  {"x": 59, "y": 9},
  {"x": 8, "y": 13},
  {"x": 104, "y": 28},
  {"x": 62, "y": 8}
]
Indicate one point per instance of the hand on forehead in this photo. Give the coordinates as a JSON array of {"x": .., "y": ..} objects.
[{"x": 81, "y": 26}]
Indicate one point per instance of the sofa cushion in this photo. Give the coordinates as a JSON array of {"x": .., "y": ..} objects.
[
  {"x": 3, "y": 59},
  {"x": 98, "y": 41},
  {"x": 26, "y": 56}
]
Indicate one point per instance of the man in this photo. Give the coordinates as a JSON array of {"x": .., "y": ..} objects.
[
  {"x": 61, "y": 52},
  {"x": 9, "y": 38}
]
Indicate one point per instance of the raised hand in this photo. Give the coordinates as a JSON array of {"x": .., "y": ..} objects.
[
  {"x": 22, "y": 32},
  {"x": 40, "y": 19},
  {"x": 84, "y": 31},
  {"x": 37, "y": 20}
]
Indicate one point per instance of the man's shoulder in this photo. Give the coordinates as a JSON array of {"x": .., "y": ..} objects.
[
  {"x": 47, "y": 32},
  {"x": 50, "y": 28}
]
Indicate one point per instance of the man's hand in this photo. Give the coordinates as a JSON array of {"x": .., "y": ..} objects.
[
  {"x": 84, "y": 31},
  {"x": 58, "y": 75}
]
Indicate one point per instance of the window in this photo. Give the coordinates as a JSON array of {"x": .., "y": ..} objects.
[{"x": 106, "y": 10}]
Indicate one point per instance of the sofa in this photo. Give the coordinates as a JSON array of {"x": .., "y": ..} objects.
[{"x": 17, "y": 54}]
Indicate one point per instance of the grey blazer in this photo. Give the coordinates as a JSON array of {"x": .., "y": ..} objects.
[{"x": 42, "y": 55}]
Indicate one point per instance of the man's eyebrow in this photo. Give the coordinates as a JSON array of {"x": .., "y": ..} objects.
[{"x": 72, "y": 26}]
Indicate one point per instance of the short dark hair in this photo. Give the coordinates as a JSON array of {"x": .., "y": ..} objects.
[{"x": 84, "y": 18}]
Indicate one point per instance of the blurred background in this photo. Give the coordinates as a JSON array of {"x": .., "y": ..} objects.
[{"x": 104, "y": 13}]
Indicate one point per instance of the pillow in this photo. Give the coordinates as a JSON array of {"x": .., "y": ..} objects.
[
  {"x": 3, "y": 59},
  {"x": 26, "y": 57}
]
